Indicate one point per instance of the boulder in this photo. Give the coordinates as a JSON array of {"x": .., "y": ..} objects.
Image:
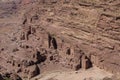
[
  {"x": 15, "y": 77},
  {"x": 33, "y": 71}
]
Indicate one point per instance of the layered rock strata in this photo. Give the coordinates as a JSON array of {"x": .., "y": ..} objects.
[{"x": 70, "y": 34}]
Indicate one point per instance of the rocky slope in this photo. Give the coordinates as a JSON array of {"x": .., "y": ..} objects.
[{"x": 40, "y": 35}]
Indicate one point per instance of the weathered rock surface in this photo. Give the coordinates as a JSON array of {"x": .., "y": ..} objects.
[
  {"x": 15, "y": 77},
  {"x": 54, "y": 34}
]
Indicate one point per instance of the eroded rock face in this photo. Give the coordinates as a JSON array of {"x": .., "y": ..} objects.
[
  {"x": 15, "y": 77},
  {"x": 52, "y": 34},
  {"x": 33, "y": 71}
]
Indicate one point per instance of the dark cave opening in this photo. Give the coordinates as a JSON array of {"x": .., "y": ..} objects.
[
  {"x": 40, "y": 58},
  {"x": 54, "y": 43}
]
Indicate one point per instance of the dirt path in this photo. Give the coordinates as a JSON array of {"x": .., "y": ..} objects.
[{"x": 92, "y": 74}]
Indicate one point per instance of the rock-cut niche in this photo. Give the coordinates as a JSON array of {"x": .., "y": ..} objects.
[
  {"x": 52, "y": 42},
  {"x": 86, "y": 62}
]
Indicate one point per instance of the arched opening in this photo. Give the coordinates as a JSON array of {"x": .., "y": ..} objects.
[
  {"x": 49, "y": 40},
  {"x": 54, "y": 43},
  {"x": 68, "y": 52},
  {"x": 86, "y": 62}
]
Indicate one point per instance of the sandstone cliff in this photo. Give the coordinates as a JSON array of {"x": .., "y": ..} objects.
[{"x": 48, "y": 34}]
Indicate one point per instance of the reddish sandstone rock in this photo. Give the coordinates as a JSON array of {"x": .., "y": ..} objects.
[
  {"x": 33, "y": 71},
  {"x": 71, "y": 34}
]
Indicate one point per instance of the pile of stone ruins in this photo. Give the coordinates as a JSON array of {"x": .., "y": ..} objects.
[{"x": 60, "y": 34}]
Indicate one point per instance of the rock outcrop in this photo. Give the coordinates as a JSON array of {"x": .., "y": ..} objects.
[{"x": 55, "y": 34}]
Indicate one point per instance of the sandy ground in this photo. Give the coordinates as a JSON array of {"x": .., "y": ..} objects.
[{"x": 90, "y": 74}]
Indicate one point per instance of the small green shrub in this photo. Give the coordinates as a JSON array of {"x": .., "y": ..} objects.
[
  {"x": 6, "y": 78},
  {"x": 106, "y": 78}
]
